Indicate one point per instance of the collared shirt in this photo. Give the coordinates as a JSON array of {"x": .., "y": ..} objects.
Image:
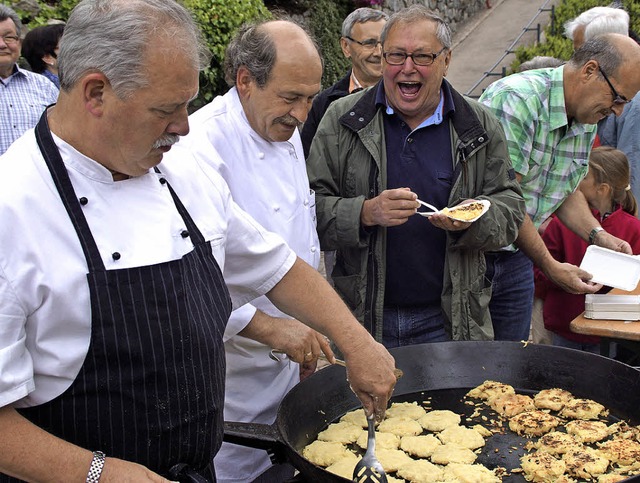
[
  {"x": 269, "y": 181},
  {"x": 551, "y": 155},
  {"x": 420, "y": 159},
  {"x": 45, "y": 315},
  {"x": 354, "y": 84},
  {"x": 23, "y": 97}
]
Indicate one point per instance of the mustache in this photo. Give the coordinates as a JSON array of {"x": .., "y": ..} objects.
[
  {"x": 166, "y": 140},
  {"x": 287, "y": 121}
]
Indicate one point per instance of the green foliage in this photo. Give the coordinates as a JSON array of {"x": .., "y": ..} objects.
[
  {"x": 325, "y": 22},
  {"x": 218, "y": 20},
  {"x": 556, "y": 44}
]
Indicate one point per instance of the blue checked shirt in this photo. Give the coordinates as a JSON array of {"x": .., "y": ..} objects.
[
  {"x": 551, "y": 155},
  {"x": 23, "y": 97}
]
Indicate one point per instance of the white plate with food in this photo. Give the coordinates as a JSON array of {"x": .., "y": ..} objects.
[{"x": 468, "y": 211}]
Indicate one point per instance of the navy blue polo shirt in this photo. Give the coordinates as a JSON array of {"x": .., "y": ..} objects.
[{"x": 420, "y": 160}]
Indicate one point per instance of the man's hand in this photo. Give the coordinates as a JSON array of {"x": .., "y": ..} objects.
[
  {"x": 607, "y": 240},
  {"x": 370, "y": 372},
  {"x": 120, "y": 471},
  {"x": 570, "y": 278},
  {"x": 301, "y": 343},
  {"x": 389, "y": 208},
  {"x": 444, "y": 222}
]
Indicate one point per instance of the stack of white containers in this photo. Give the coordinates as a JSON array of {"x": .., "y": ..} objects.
[{"x": 612, "y": 307}]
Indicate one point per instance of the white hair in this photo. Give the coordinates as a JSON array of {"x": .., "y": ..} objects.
[{"x": 598, "y": 21}]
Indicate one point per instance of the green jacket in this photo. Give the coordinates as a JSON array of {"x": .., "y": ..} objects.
[{"x": 347, "y": 164}]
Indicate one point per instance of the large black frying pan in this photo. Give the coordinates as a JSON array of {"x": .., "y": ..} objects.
[{"x": 443, "y": 373}]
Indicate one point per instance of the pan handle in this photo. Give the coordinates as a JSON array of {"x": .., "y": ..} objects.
[{"x": 259, "y": 436}]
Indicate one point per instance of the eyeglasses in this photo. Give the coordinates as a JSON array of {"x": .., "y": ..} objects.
[
  {"x": 399, "y": 58},
  {"x": 368, "y": 44},
  {"x": 617, "y": 98},
  {"x": 10, "y": 39}
]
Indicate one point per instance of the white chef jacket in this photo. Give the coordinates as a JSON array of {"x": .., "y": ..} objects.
[
  {"x": 269, "y": 181},
  {"x": 45, "y": 315}
]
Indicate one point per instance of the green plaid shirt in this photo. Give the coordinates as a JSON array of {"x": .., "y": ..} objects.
[{"x": 551, "y": 156}]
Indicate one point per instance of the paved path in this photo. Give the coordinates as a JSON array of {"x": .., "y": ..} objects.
[{"x": 482, "y": 41}]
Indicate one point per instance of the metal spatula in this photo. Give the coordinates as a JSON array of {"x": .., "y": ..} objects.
[{"x": 369, "y": 469}]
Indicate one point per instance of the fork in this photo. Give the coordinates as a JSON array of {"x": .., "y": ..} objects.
[
  {"x": 369, "y": 469},
  {"x": 427, "y": 205}
]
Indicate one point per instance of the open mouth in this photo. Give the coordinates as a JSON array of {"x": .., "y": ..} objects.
[{"x": 409, "y": 89}]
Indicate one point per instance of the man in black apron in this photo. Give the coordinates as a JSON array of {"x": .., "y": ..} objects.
[{"x": 112, "y": 299}]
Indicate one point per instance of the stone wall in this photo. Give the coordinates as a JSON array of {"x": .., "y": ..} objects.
[{"x": 454, "y": 12}]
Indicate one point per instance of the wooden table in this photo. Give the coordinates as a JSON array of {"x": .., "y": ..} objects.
[{"x": 624, "y": 333}]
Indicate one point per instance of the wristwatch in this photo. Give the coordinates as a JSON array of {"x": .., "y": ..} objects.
[
  {"x": 95, "y": 470},
  {"x": 594, "y": 233}
]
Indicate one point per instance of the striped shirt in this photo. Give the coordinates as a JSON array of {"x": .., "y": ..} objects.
[
  {"x": 551, "y": 155},
  {"x": 23, "y": 97}
]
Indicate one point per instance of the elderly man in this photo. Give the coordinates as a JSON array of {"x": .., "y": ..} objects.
[
  {"x": 112, "y": 298},
  {"x": 550, "y": 117},
  {"x": 274, "y": 69},
  {"x": 596, "y": 21},
  {"x": 24, "y": 94},
  {"x": 360, "y": 43},
  {"x": 412, "y": 136}
]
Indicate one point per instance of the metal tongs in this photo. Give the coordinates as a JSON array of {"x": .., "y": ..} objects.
[{"x": 434, "y": 210}]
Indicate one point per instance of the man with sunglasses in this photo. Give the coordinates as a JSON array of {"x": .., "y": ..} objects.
[
  {"x": 24, "y": 94},
  {"x": 550, "y": 117},
  {"x": 411, "y": 279}
]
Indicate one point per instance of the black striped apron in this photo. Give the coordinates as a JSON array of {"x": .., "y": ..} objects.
[{"x": 151, "y": 387}]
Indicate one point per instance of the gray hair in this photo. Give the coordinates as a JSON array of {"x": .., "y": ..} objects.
[
  {"x": 598, "y": 21},
  {"x": 601, "y": 49},
  {"x": 8, "y": 13},
  {"x": 417, "y": 13},
  {"x": 361, "y": 15},
  {"x": 540, "y": 62},
  {"x": 253, "y": 48},
  {"x": 113, "y": 37}
]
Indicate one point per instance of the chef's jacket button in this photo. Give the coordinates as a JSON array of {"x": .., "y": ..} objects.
[
  {"x": 163, "y": 181},
  {"x": 276, "y": 208},
  {"x": 261, "y": 155},
  {"x": 184, "y": 234},
  {"x": 115, "y": 256},
  {"x": 83, "y": 201},
  {"x": 306, "y": 203},
  {"x": 313, "y": 249}
]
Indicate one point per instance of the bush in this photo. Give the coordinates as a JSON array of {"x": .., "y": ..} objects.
[
  {"x": 218, "y": 20},
  {"x": 326, "y": 24},
  {"x": 556, "y": 44}
]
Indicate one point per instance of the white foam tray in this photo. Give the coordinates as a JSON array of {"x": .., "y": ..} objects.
[
  {"x": 603, "y": 315},
  {"x": 613, "y": 269}
]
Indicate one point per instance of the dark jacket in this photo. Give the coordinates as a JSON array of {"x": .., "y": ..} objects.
[
  {"x": 348, "y": 164},
  {"x": 319, "y": 107}
]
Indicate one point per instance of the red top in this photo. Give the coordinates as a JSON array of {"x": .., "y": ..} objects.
[{"x": 560, "y": 307}]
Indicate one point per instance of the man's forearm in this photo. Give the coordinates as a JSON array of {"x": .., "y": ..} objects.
[
  {"x": 305, "y": 295},
  {"x": 574, "y": 212},
  {"x": 530, "y": 242},
  {"x": 31, "y": 454}
]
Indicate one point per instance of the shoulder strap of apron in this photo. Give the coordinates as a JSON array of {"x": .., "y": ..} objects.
[{"x": 67, "y": 193}]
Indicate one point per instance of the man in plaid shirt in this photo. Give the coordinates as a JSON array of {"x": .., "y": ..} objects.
[
  {"x": 23, "y": 94},
  {"x": 549, "y": 117}
]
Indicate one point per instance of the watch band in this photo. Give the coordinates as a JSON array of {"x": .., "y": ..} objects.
[
  {"x": 594, "y": 233},
  {"x": 95, "y": 470}
]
